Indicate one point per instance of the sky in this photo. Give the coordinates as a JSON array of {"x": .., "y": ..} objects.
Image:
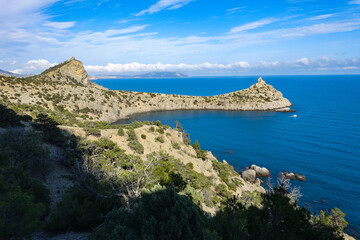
[{"x": 196, "y": 37}]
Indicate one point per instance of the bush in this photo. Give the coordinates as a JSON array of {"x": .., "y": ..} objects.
[
  {"x": 137, "y": 124},
  {"x": 136, "y": 146},
  {"x": 176, "y": 145},
  {"x": 199, "y": 153},
  {"x": 23, "y": 203},
  {"x": 160, "y": 215},
  {"x": 79, "y": 210},
  {"x": 92, "y": 131},
  {"x": 335, "y": 219},
  {"x": 152, "y": 129},
  {"x": 121, "y": 131},
  {"x": 25, "y": 150},
  {"x": 143, "y": 136},
  {"x": 20, "y": 214},
  {"x": 160, "y": 130},
  {"x": 160, "y": 139},
  {"x": 51, "y": 133}
]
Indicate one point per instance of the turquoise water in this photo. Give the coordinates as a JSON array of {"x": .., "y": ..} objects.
[{"x": 322, "y": 143}]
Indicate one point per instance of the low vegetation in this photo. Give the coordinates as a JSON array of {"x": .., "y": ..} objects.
[{"x": 116, "y": 195}]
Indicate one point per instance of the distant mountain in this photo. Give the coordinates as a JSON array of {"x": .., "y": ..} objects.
[
  {"x": 8, "y": 74},
  {"x": 162, "y": 75},
  {"x": 146, "y": 75}
]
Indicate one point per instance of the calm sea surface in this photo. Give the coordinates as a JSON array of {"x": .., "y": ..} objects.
[{"x": 322, "y": 143}]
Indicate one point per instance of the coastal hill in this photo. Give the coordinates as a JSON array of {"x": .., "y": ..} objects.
[{"x": 67, "y": 87}]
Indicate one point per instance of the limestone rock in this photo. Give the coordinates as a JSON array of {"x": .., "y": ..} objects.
[
  {"x": 260, "y": 171},
  {"x": 72, "y": 69},
  {"x": 249, "y": 175}
]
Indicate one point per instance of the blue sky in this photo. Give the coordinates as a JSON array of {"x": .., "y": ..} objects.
[{"x": 197, "y": 37}]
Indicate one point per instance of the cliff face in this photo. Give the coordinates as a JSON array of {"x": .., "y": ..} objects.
[
  {"x": 71, "y": 68},
  {"x": 66, "y": 86}
]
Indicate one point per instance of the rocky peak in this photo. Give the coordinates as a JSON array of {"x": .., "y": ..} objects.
[
  {"x": 71, "y": 68},
  {"x": 260, "y": 80}
]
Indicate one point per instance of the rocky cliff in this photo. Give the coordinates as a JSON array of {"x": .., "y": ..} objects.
[{"x": 66, "y": 87}]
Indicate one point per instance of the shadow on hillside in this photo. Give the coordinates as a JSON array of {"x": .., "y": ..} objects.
[{"x": 156, "y": 210}]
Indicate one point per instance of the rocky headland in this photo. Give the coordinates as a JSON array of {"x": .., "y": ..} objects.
[{"x": 67, "y": 86}]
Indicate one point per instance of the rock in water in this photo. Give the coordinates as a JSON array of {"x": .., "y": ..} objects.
[
  {"x": 249, "y": 175},
  {"x": 292, "y": 175},
  {"x": 260, "y": 171}
]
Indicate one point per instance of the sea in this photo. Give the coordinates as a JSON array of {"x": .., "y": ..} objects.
[{"x": 321, "y": 140}]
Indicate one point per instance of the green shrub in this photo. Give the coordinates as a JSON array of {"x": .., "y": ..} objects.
[
  {"x": 20, "y": 214},
  {"x": 335, "y": 220},
  {"x": 51, "y": 133},
  {"x": 160, "y": 130},
  {"x": 143, "y": 136},
  {"x": 160, "y": 139},
  {"x": 137, "y": 124},
  {"x": 136, "y": 146},
  {"x": 121, "y": 131},
  {"x": 195, "y": 196},
  {"x": 160, "y": 215},
  {"x": 152, "y": 129},
  {"x": 199, "y": 153},
  {"x": 23, "y": 203},
  {"x": 176, "y": 145},
  {"x": 158, "y": 123},
  {"x": 131, "y": 135},
  {"x": 92, "y": 131},
  {"x": 221, "y": 190},
  {"x": 79, "y": 210}
]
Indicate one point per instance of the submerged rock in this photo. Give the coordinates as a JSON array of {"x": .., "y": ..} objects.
[{"x": 292, "y": 175}]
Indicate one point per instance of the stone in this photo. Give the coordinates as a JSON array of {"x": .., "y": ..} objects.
[
  {"x": 260, "y": 171},
  {"x": 249, "y": 175},
  {"x": 294, "y": 176}
]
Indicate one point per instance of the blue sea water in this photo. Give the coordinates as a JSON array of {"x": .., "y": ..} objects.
[{"x": 322, "y": 143}]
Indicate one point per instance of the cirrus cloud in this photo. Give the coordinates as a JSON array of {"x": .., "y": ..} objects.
[{"x": 164, "y": 4}]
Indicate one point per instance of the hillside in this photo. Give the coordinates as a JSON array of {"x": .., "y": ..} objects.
[
  {"x": 106, "y": 182},
  {"x": 66, "y": 89}
]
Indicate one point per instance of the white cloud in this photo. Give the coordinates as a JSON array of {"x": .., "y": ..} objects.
[
  {"x": 164, "y": 4},
  {"x": 60, "y": 25},
  {"x": 13, "y": 62},
  {"x": 354, "y": 2},
  {"x": 17, "y": 71},
  {"x": 39, "y": 64},
  {"x": 252, "y": 25},
  {"x": 291, "y": 66},
  {"x": 139, "y": 67},
  {"x": 1, "y": 61},
  {"x": 320, "y": 17},
  {"x": 303, "y": 61}
]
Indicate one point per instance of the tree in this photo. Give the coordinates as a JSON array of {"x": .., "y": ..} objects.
[{"x": 159, "y": 215}]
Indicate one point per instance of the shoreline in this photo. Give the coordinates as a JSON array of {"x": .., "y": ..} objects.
[{"x": 128, "y": 117}]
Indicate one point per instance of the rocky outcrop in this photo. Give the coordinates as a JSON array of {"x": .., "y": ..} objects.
[
  {"x": 292, "y": 175},
  {"x": 68, "y": 85},
  {"x": 71, "y": 68},
  {"x": 249, "y": 175},
  {"x": 260, "y": 171}
]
